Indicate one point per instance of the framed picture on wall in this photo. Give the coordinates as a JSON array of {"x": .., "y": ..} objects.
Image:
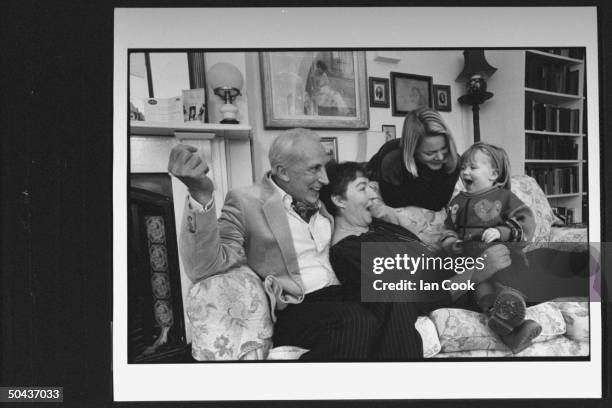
[
  {"x": 442, "y": 98},
  {"x": 410, "y": 92},
  {"x": 331, "y": 147},
  {"x": 314, "y": 89},
  {"x": 389, "y": 131},
  {"x": 379, "y": 92}
]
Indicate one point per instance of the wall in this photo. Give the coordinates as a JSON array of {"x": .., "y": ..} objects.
[{"x": 502, "y": 118}]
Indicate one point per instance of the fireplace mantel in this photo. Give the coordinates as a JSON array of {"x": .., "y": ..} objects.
[
  {"x": 190, "y": 130},
  {"x": 226, "y": 149}
]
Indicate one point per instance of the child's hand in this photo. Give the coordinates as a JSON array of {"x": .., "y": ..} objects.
[{"x": 490, "y": 235}]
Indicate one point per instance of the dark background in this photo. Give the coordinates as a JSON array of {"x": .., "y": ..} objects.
[{"x": 56, "y": 147}]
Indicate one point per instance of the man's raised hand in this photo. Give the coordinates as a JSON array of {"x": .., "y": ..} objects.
[{"x": 186, "y": 164}]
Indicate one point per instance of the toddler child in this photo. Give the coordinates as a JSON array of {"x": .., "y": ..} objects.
[{"x": 485, "y": 212}]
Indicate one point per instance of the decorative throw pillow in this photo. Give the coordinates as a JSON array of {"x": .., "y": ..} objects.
[
  {"x": 476, "y": 354},
  {"x": 425, "y": 224},
  {"x": 529, "y": 192},
  {"x": 463, "y": 330},
  {"x": 550, "y": 318},
  {"x": 576, "y": 315},
  {"x": 229, "y": 317},
  {"x": 429, "y": 336},
  {"x": 557, "y": 347},
  {"x": 286, "y": 353}
]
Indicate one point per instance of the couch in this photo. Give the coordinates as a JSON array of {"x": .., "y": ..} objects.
[{"x": 230, "y": 318}]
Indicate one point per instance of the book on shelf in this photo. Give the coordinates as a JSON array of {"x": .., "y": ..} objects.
[
  {"x": 552, "y": 77},
  {"x": 550, "y": 118},
  {"x": 546, "y": 147},
  {"x": 555, "y": 180}
]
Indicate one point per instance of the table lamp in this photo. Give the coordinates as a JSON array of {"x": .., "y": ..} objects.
[{"x": 226, "y": 81}]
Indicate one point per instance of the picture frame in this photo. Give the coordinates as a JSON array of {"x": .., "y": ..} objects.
[
  {"x": 379, "y": 92},
  {"x": 323, "y": 89},
  {"x": 442, "y": 98},
  {"x": 331, "y": 147},
  {"x": 390, "y": 132},
  {"x": 409, "y": 92}
]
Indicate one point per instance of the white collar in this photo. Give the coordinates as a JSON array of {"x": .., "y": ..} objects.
[{"x": 285, "y": 196}]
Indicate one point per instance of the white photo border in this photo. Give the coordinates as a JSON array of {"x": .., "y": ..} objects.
[{"x": 207, "y": 28}]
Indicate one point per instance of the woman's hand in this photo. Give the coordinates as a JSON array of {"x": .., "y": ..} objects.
[{"x": 496, "y": 258}]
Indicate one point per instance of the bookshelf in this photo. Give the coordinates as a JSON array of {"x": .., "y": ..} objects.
[{"x": 555, "y": 138}]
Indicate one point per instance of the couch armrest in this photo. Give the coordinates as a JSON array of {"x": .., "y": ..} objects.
[
  {"x": 570, "y": 235},
  {"x": 229, "y": 316}
]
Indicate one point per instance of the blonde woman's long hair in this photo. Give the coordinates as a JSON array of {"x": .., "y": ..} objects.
[{"x": 421, "y": 123}]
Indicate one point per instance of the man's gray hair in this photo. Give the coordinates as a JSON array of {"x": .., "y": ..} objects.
[{"x": 284, "y": 149}]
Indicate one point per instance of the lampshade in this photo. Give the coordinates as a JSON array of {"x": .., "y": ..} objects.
[
  {"x": 224, "y": 75},
  {"x": 475, "y": 64}
]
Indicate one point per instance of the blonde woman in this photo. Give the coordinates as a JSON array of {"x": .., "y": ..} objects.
[{"x": 419, "y": 169}]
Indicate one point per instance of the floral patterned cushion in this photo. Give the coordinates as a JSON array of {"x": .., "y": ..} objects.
[
  {"x": 569, "y": 239},
  {"x": 464, "y": 330},
  {"x": 559, "y": 346},
  {"x": 576, "y": 315},
  {"x": 550, "y": 318},
  {"x": 286, "y": 353},
  {"x": 426, "y": 224},
  {"x": 529, "y": 192},
  {"x": 476, "y": 354},
  {"x": 229, "y": 317},
  {"x": 429, "y": 336}
]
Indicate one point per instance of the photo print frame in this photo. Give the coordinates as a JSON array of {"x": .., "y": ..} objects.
[
  {"x": 359, "y": 380},
  {"x": 410, "y": 92},
  {"x": 379, "y": 92},
  {"x": 442, "y": 98}
]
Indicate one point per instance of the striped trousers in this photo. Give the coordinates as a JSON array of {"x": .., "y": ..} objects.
[{"x": 331, "y": 328}]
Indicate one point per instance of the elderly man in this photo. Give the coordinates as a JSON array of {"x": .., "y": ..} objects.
[{"x": 279, "y": 229}]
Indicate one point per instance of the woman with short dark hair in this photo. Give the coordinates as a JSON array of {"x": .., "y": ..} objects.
[{"x": 349, "y": 197}]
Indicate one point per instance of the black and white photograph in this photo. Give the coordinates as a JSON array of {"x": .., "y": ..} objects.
[
  {"x": 330, "y": 144},
  {"x": 410, "y": 92},
  {"x": 305, "y": 206},
  {"x": 536, "y": 181},
  {"x": 389, "y": 131},
  {"x": 379, "y": 92},
  {"x": 442, "y": 98},
  {"x": 276, "y": 253}
]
